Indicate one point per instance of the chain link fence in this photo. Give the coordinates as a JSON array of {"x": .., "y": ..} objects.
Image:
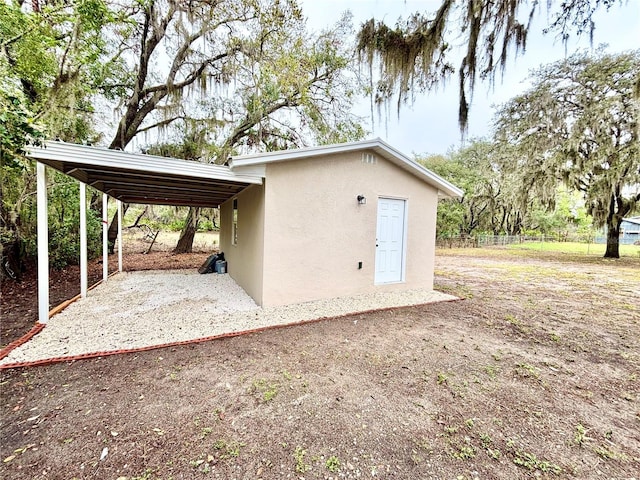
[{"x": 577, "y": 244}]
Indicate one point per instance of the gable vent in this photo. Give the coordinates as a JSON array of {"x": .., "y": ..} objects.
[{"x": 369, "y": 158}]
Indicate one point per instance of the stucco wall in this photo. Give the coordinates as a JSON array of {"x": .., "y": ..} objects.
[
  {"x": 245, "y": 260},
  {"x": 316, "y": 232}
]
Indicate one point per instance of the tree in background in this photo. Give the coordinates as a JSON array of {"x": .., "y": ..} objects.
[
  {"x": 50, "y": 67},
  {"x": 244, "y": 71},
  {"x": 293, "y": 92},
  {"x": 17, "y": 131},
  {"x": 452, "y": 213},
  {"x": 231, "y": 69},
  {"x": 493, "y": 200},
  {"x": 568, "y": 215},
  {"x": 54, "y": 53},
  {"x": 579, "y": 124},
  {"x": 416, "y": 54}
]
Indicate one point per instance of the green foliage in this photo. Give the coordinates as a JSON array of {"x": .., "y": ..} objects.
[
  {"x": 493, "y": 200},
  {"x": 64, "y": 218},
  {"x": 27, "y": 43},
  {"x": 64, "y": 224},
  {"x": 49, "y": 62},
  {"x": 17, "y": 126},
  {"x": 580, "y": 437},
  {"x": 578, "y": 125},
  {"x": 267, "y": 390},
  {"x": 56, "y": 57},
  {"x": 333, "y": 464},
  {"x": 17, "y": 130},
  {"x": 229, "y": 449},
  {"x": 291, "y": 88},
  {"x": 299, "y": 454},
  {"x": 564, "y": 214},
  {"x": 531, "y": 462},
  {"x": 451, "y": 212}
]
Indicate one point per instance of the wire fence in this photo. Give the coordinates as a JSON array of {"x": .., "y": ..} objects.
[{"x": 576, "y": 244}]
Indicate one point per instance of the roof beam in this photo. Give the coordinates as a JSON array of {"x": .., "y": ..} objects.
[
  {"x": 118, "y": 174},
  {"x": 176, "y": 185},
  {"x": 150, "y": 189},
  {"x": 171, "y": 202}
]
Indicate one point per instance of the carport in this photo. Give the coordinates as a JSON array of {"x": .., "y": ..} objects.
[{"x": 130, "y": 178}]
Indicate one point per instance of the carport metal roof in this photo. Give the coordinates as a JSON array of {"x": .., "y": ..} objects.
[{"x": 147, "y": 179}]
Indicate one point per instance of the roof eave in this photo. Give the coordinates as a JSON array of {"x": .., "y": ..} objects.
[
  {"x": 445, "y": 188},
  {"x": 67, "y": 152}
]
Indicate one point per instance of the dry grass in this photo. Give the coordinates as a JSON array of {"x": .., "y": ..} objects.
[{"x": 535, "y": 375}]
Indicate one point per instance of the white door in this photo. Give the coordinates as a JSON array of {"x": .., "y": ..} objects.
[{"x": 390, "y": 240}]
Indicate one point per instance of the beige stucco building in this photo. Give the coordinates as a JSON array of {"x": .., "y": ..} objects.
[
  {"x": 331, "y": 221},
  {"x": 296, "y": 225}
]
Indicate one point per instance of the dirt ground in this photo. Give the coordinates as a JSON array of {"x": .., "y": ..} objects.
[{"x": 535, "y": 374}]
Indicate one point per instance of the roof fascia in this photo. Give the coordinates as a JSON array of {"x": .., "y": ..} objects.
[
  {"x": 445, "y": 188},
  {"x": 299, "y": 153},
  {"x": 115, "y": 159}
]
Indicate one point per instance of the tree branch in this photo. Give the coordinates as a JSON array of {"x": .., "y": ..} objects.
[{"x": 162, "y": 123}]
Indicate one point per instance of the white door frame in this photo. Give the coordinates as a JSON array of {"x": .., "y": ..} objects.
[{"x": 403, "y": 266}]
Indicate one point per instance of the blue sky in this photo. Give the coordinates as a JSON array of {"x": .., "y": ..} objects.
[{"x": 431, "y": 124}]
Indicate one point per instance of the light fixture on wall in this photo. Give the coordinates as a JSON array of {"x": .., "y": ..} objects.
[{"x": 362, "y": 200}]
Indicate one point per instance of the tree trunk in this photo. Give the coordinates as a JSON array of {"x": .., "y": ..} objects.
[
  {"x": 618, "y": 208},
  {"x": 112, "y": 233},
  {"x": 135, "y": 224},
  {"x": 185, "y": 242},
  {"x": 95, "y": 202},
  {"x": 12, "y": 254},
  {"x": 613, "y": 237}
]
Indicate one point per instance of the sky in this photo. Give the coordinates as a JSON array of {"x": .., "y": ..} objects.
[{"x": 430, "y": 125}]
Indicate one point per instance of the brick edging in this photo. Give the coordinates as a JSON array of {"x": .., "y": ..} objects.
[
  {"x": 38, "y": 327},
  {"x": 85, "y": 356}
]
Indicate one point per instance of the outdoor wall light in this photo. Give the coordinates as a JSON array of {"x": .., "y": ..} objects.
[{"x": 362, "y": 200}]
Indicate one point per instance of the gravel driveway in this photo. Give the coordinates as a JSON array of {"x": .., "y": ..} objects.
[{"x": 142, "y": 309}]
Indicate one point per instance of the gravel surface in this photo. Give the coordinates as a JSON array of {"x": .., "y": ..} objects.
[{"x": 141, "y": 309}]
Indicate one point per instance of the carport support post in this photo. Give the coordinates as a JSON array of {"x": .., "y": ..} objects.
[
  {"x": 83, "y": 240},
  {"x": 43, "y": 244},
  {"x": 105, "y": 238},
  {"x": 119, "y": 204}
]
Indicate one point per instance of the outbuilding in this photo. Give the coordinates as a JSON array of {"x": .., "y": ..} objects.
[
  {"x": 296, "y": 225},
  {"x": 332, "y": 221}
]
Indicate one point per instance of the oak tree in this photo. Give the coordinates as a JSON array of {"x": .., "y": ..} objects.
[
  {"x": 579, "y": 124},
  {"x": 418, "y": 53}
]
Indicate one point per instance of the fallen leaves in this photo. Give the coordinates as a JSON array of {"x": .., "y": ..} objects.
[{"x": 19, "y": 451}]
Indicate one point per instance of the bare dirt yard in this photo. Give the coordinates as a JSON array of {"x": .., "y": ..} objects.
[{"x": 535, "y": 373}]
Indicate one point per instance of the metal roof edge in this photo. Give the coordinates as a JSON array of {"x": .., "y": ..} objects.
[
  {"x": 420, "y": 171},
  {"x": 376, "y": 144},
  {"x": 299, "y": 153},
  {"x": 96, "y": 156}
]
